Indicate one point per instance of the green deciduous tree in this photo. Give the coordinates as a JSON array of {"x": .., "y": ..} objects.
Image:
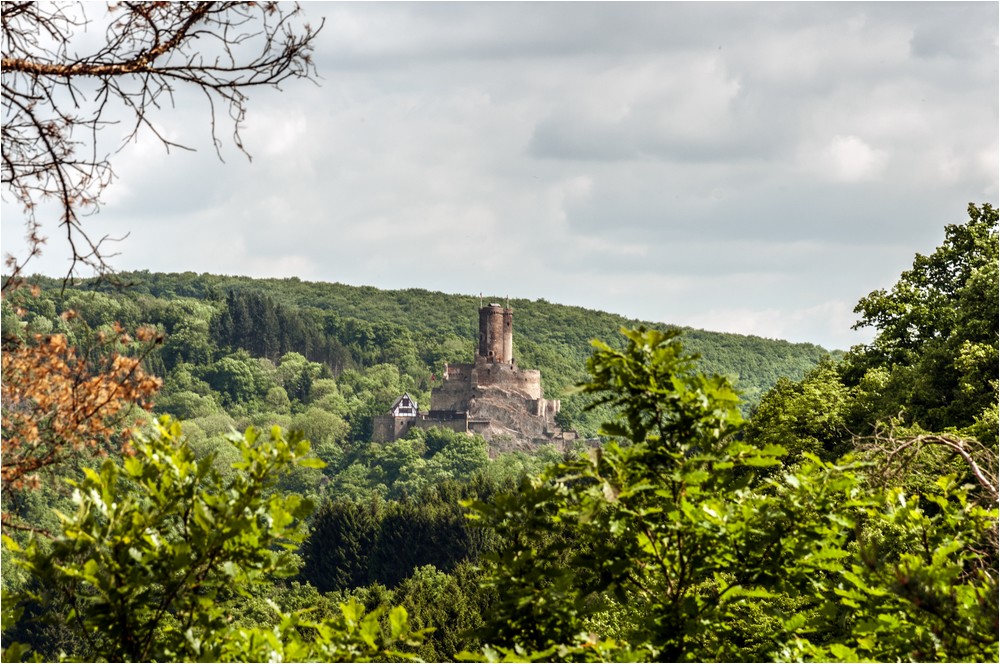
[
  {"x": 159, "y": 543},
  {"x": 675, "y": 525},
  {"x": 805, "y": 416},
  {"x": 188, "y": 405},
  {"x": 937, "y": 330},
  {"x": 917, "y": 585},
  {"x": 450, "y": 603}
]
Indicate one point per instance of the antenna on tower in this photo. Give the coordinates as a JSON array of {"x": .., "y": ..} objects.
[
  {"x": 480, "y": 299},
  {"x": 507, "y": 305}
]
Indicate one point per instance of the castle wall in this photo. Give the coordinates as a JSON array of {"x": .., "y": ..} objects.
[
  {"x": 459, "y": 424},
  {"x": 459, "y": 373},
  {"x": 387, "y": 428},
  {"x": 449, "y": 400},
  {"x": 508, "y": 377},
  {"x": 547, "y": 408},
  {"x": 454, "y": 392}
]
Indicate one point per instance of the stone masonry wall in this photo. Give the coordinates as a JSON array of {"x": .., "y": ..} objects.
[
  {"x": 454, "y": 391},
  {"x": 387, "y": 428},
  {"x": 508, "y": 377},
  {"x": 459, "y": 424}
]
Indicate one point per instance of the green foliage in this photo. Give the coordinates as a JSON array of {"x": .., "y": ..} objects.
[
  {"x": 251, "y": 320},
  {"x": 340, "y": 328},
  {"x": 447, "y": 455},
  {"x": 414, "y": 533},
  {"x": 448, "y": 602},
  {"x": 658, "y": 393},
  {"x": 919, "y": 587},
  {"x": 805, "y": 416},
  {"x": 353, "y": 636},
  {"x": 159, "y": 543},
  {"x": 679, "y": 526},
  {"x": 690, "y": 536},
  {"x": 355, "y": 543},
  {"x": 642, "y": 524},
  {"x": 407, "y": 467},
  {"x": 937, "y": 331},
  {"x": 321, "y": 426},
  {"x": 337, "y": 552},
  {"x": 239, "y": 379},
  {"x": 186, "y": 405}
]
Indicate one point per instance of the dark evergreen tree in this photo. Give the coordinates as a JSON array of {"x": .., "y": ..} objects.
[
  {"x": 415, "y": 533},
  {"x": 336, "y": 553}
]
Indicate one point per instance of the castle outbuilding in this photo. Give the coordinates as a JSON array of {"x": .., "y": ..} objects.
[
  {"x": 491, "y": 396},
  {"x": 401, "y": 417}
]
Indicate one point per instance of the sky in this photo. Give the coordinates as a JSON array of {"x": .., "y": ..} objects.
[{"x": 753, "y": 167}]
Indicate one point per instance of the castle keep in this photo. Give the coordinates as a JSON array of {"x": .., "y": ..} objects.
[{"x": 491, "y": 396}]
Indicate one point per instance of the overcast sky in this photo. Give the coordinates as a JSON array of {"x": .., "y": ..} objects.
[{"x": 752, "y": 168}]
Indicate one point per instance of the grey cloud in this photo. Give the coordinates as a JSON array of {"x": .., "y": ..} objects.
[
  {"x": 384, "y": 34},
  {"x": 687, "y": 204},
  {"x": 567, "y": 136},
  {"x": 959, "y": 30},
  {"x": 668, "y": 161}
]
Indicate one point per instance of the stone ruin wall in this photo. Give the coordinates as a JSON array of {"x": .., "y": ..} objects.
[
  {"x": 458, "y": 373},
  {"x": 465, "y": 381},
  {"x": 509, "y": 378},
  {"x": 387, "y": 428},
  {"x": 454, "y": 392},
  {"x": 382, "y": 428},
  {"x": 459, "y": 424}
]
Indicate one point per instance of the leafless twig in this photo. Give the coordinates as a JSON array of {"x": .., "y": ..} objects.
[
  {"x": 901, "y": 452},
  {"x": 60, "y": 92}
]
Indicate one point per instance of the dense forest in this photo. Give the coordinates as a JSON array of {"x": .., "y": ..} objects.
[
  {"x": 188, "y": 474},
  {"x": 351, "y": 327},
  {"x": 267, "y": 350},
  {"x": 323, "y": 359}
]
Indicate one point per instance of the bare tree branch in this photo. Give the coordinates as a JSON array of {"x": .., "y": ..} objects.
[
  {"x": 901, "y": 452},
  {"x": 58, "y": 95}
]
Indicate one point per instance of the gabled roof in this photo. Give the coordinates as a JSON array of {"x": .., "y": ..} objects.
[{"x": 398, "y": 401}]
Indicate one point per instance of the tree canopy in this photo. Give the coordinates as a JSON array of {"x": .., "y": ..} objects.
[
  {"x": 935, "y": 355},
  {"x": 684, "y": 543}
]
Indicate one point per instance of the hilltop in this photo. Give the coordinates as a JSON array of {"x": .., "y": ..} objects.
[{"x": 359, "y": 327}]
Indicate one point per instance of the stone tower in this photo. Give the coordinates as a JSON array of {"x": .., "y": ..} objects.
[{"x": 496, "y": 334}]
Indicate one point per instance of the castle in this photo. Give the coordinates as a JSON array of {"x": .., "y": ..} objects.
[{"x": 491, "y": 396}]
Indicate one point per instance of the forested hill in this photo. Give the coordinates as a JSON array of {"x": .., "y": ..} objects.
[{"x": 357, "y": 327}]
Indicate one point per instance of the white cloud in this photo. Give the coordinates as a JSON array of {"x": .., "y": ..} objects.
[
  {"x": 850, "y": 159},
  {"x": 799, "y": 325},
  {"x": 562, "y": 194}
]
